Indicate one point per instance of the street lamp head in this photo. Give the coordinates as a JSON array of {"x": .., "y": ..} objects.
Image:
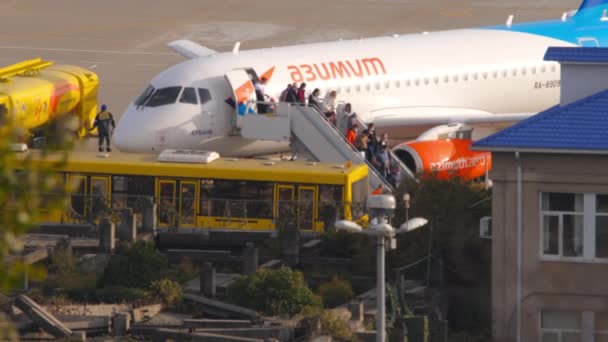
[
  {"x": 348, "y": 226},
  {"x": 383, "y": 229},
  {"x": 381, "y": 206},
  {"x": 413, "y": 224}
]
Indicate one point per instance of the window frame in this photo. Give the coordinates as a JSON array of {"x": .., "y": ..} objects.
[
  {"x": 589, "y": 234},
  {"x": 560, "y": 215},
  {"x": 560, "y": 332}
]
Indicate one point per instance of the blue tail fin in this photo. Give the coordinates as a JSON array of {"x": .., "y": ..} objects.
[{"x": 592, "y": 3}]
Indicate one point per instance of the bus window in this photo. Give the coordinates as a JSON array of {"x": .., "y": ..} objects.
[
  {"x": 227, "y": 198},
  {"x": 77, "y": 192},
  {"x": 330, "y": 204},
  {"x": 119, "y": 192},
  {"x": 206, "y": 193},
  {"x": 187, "y": 204},
  {"x": 306, "y": 207},
  {"x": 99, "y": 196},
  {"x": 166, "y": 202},
  {"x": 359, "y": 201}
]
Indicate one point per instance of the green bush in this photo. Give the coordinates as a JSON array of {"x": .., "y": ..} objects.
[
  {"x": 62, "y": 262},
  {"x": 135, "y": 266},
  {"x": 317, "y": 322},
  {"x": 273, "y": 292},
  {"x": 335, "y": 292},
  {"x": 167, "y": 290}
]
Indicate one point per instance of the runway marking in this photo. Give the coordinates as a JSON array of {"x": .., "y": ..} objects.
[{"x": 115, "y": 52}]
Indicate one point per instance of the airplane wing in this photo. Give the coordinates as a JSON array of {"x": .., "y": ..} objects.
[
  {"x": 190, "y": 49},
  {"x": 431, "y": 116}
]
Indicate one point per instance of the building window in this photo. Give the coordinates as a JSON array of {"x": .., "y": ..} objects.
[
  {"x": 561, "y": 326},
  {"x": 601, "y": 226},
  {"x": 562, "y": 225},
  {"x": 600, "y": 328}
]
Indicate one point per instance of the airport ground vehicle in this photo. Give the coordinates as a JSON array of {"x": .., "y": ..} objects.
[
  {"x": 35, "y": 93},
  {"x": 226, "y": 193}
]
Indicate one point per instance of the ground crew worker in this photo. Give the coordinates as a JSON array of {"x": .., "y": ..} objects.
[{"x": 104, "y": 121}]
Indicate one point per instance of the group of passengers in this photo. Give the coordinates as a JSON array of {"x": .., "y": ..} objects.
[
  {"x": 373, "y": 147},
  {"x": 375, "y": 150},
  {"x": 297, "y": 95}
]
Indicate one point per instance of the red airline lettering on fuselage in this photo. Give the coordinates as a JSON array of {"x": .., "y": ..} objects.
[{"x": 358, "y": 68}]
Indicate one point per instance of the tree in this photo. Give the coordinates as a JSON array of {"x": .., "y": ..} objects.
[
  {"x": 167, "y": 290},
  {"x": 280, "y": 292},
  {"x": 335, "y": 292},
  {"x": 453, "y": 208},
  {"x": 317, "y": 322},
  {"x": 135, "y": 266},
  {"x": 24, "y": 184}
]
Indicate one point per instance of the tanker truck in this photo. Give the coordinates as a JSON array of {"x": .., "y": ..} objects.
[{"x": 36, "y": 93}]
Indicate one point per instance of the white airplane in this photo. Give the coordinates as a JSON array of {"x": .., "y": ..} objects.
[{"x": 487, "y": 78}]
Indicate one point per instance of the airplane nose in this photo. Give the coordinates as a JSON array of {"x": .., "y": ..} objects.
[{"x": 132, "y": 133}]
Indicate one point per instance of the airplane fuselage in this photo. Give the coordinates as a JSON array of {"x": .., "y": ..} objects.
[{"x": 393, "y": 81}]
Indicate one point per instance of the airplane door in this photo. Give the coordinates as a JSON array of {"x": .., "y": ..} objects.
[{"x": 244, "y": 94}]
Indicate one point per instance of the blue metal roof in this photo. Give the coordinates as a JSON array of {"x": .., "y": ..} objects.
[
  {"x": 581, "y": 126},
  {"x": 577, "y": 54}
]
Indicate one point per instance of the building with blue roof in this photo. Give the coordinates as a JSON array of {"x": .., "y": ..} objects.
[{"x": 550, "y": 211}]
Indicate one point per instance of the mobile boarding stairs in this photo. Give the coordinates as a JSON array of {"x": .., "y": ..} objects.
[{"x": 306, "y": 127}]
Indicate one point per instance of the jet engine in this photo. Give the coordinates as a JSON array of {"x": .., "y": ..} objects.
[{"x": 445, "y": 151}]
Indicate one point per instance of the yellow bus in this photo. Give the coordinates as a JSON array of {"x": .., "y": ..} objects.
[{"x": 222, "y": 193}]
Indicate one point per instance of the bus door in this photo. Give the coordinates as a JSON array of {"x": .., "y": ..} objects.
[
  {"x": 284, "y": 205},
  {"x": 187, "y": 203},
  {"x": 99, "y": 196},
  {"x": 306, "y": 207},
  {"x": 165, "y": 195},
  {"x": 77, "y": 202}
]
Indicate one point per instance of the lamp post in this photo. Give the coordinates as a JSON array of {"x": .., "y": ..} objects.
[
  {"x": 381, "y": 209},
  {"x": 406, "y": 204}
]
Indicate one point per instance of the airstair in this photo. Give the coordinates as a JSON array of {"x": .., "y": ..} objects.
[
  {"x": 306, "y": 127},
  {"x": 302, "y": 126}
]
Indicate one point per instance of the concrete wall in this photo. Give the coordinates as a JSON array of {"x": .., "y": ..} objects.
[
  {"x": 582, "y": 80},
  {"x": 546, "y": 284}
]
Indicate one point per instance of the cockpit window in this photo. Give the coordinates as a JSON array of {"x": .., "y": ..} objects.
[
  {"x": 163, "y": 96},
  {"x": 204, "y": 94},
  {"x": 188, "y": 96},
  {"x": 144, "y": 96}
]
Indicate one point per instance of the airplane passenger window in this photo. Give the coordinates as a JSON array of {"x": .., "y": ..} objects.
[
  {"x": 163, "y": 96},
  {"x": 397, "y": 84},
  {"x": 188, "y": 96},
  {"x": 141, "y": 100},
  {"x": 204, "y": 94}
]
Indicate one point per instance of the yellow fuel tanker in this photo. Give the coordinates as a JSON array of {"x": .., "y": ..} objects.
[{"x": 35, "y": 92}]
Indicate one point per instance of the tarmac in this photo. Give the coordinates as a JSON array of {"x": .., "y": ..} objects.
[{"x": 125, "y": 41}]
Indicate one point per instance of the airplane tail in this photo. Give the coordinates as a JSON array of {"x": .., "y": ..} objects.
[{"x": 592, "y": 3}]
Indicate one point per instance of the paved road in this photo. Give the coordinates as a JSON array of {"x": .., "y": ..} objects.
[{"x": 124, "y": 41}]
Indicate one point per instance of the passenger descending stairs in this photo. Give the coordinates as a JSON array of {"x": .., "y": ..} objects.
[{"x": 308, "y": 127}]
